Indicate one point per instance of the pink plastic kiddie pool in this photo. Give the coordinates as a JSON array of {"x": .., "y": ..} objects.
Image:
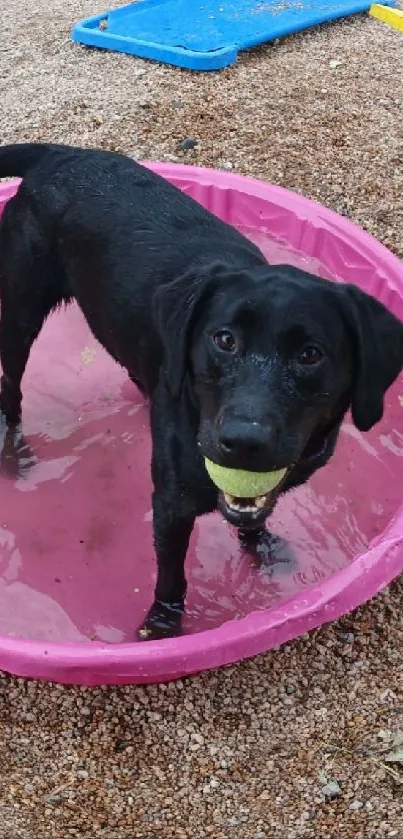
[{"x": 77, "y": 567}]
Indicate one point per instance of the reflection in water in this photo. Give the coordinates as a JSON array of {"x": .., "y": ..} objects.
[
  {"x": 28, "y": 613},
  {"x": 76, "y": 555}
]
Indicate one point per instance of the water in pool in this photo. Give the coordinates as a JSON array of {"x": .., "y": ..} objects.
[{"x": 76, "y": 555}]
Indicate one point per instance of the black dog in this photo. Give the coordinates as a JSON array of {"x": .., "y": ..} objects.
[{"x": 251, "y": 365}]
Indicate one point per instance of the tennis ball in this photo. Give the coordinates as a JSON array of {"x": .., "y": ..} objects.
[{"x": 241, "y": 484}]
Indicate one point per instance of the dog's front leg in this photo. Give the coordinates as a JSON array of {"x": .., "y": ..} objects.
[
  {"x": 172, "y": 531},
  {"x": 182, "y": 492}
]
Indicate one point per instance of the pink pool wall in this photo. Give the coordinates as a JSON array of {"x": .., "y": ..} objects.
[{"x": 353, "y": 256}]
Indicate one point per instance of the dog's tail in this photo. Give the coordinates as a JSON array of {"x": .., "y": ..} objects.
[{"x": 15, "y": 160}]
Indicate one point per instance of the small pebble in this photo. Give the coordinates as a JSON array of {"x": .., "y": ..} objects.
[
  {"x": 53, "y": 799},
  {"x": 331, "y": 790},
  {"x": 194, "y": 747},
  {"x": 188, "y": 143}
]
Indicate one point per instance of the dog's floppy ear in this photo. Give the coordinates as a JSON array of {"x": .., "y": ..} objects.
[
  {"x": 378, "y": 343},
  {"x": 175, "y": 308}
]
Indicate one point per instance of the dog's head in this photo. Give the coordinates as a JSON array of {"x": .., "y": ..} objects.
[{"x": 275, "y": 357}]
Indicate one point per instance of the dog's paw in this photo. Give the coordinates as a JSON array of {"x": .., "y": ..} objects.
[
  {"x": 164, "y": 620},
  {"x": 267, "y": 550},
  {"x": 8, "y": 417},
  {"x": 16, "y": 455}
]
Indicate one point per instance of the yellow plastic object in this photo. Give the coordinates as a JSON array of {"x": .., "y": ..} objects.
[
  {"x": 241, "y": 484},
  {"x": 393, "y": 17}
]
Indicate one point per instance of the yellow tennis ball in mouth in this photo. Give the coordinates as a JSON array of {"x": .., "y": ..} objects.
[{"x": 242, "y": 484}]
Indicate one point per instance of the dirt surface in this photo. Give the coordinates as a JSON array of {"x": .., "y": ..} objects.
[{"x": 304, "y": 741}]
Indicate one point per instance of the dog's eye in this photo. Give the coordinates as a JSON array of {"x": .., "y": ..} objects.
[
  {"x": 310, "y": 356},
  {"x": 225, "y": 340}
]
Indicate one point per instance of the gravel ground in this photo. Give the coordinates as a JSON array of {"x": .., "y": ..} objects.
[{"x": 295, "y": 743}]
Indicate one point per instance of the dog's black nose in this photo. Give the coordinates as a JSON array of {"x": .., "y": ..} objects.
[{"x": 244, "y": 440}]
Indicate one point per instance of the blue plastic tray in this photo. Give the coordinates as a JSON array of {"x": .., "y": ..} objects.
[{"x": 206, "y": 34}]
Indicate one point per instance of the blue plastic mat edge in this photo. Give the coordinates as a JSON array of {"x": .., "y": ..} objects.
[{"x": 88, "y": 33}]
